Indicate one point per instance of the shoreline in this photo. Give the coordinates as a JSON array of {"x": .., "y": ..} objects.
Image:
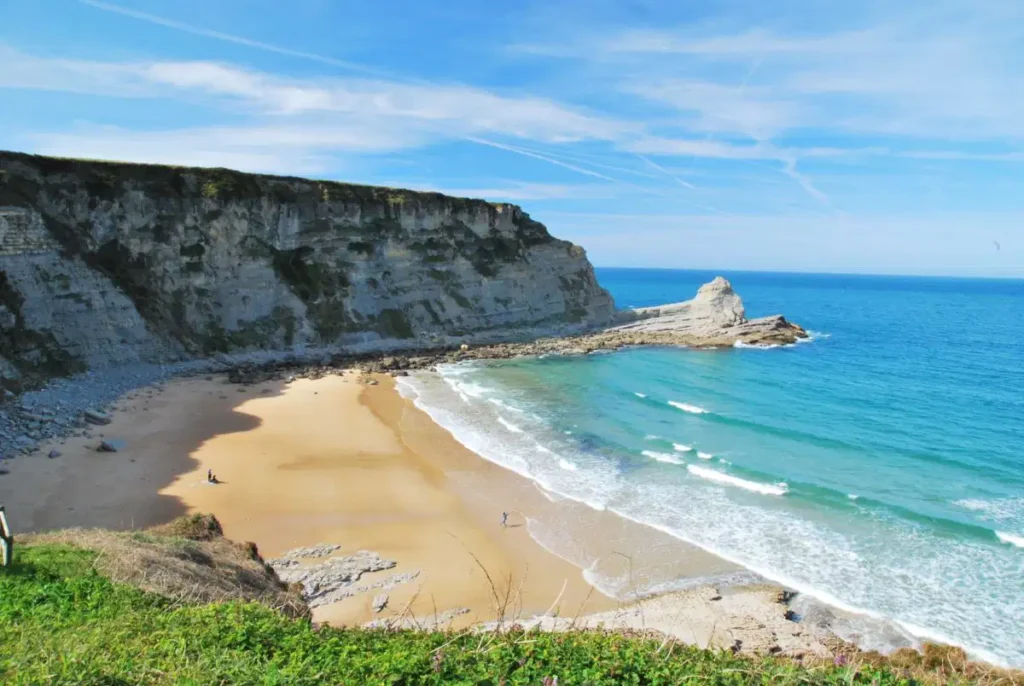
[{"x": 334, "y": 460}]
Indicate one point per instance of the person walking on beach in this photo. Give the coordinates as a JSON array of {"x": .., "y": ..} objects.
[
  {"x": 504, "y": 518},
  {"x": 209, "y": 475}
]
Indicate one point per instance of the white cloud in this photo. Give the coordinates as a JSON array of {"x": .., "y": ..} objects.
[
  {"x": 738, "y": 45},
  {"x": 519, "y": 191},
  {"x": 279, "y": 150},
  {"x": 940, "y": 70},
  {"x": 702, "y": 148},
  {"x": 454, "y": 109},
  {"x": 443, "y": 110}
]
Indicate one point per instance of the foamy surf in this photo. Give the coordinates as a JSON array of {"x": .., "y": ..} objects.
[
  {"x": 1011, "y": 539},
  {"x": 704, "y": 456},
  {"x": 505, "y": 406},
  {"x": 662, "y": 457},
  {"x": 728, "y": 479},
  {"x": 687, "y": 407},
  {"x": 566, "y": 465},
  {"x": 640, "y": 395},
  {"x": 509, "y": 425},
  {"x": 682, "y": 447},
  {"x": 755, "y": 346}
]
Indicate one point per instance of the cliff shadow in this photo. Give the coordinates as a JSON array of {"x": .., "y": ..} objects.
[{"x": 158, "y": 430}]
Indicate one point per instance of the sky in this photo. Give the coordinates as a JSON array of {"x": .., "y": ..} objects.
[{"x": 812, "y": 135}]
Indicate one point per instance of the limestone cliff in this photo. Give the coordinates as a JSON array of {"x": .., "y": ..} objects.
[{"x": 104, "y": 263}]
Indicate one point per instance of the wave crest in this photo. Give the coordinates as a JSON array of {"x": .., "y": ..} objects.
[
  {"x": 728, "y": 479},
  {"x": 668, "y": 458},
  {"x": 687, "y": 407},
  {"x": 1010, "y": 538},
  {"x": 509, "y": 425}
]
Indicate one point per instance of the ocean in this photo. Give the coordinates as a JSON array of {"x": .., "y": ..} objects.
[{"x": 877, "y": 468}]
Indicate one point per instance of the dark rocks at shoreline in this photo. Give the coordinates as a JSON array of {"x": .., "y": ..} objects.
[{"x": 714, "y": 319}]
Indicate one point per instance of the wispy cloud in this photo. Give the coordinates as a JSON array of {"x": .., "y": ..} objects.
[
  {"x": 232, "y": 38},
  {"x": 746, "y": 120},
  {"x": 519, "y": 191}
]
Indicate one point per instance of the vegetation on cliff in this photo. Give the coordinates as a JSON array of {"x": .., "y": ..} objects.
[
  {"x": 63, "y": 620},
  {"x": 177, "y": 262}
]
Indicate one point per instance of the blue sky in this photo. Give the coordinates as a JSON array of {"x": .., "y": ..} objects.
[{"x": 877, "y": 137}]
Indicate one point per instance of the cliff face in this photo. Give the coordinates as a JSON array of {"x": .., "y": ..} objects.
[{"x": 106, "y": 263}]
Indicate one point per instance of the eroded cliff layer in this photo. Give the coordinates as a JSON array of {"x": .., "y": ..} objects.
[{"x": 105, "y": 263}]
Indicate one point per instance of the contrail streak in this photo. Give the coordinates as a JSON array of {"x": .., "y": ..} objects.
[{"x": 231, "y": 38}]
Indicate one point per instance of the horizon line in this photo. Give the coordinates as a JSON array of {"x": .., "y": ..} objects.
[{"x": 816, "y": 273}]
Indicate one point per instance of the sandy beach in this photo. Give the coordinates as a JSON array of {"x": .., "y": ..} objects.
[{"x": 345, "y": 460}]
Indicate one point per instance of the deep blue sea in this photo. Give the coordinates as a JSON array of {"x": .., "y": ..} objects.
[{"x": 878, "y": 468}]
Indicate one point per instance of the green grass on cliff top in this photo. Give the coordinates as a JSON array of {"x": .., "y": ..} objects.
[{"x": 61, "y": 622}]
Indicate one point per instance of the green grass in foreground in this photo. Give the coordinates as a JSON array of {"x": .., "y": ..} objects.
[{"x": 63, "y": 623}]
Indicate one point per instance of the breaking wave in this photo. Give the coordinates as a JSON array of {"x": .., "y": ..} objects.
[
  {"x": 509, "y": 425},
  {"x": 687, "y": 407},
  {"x": 1011, "y": 539},
  {"x": 668, "y": 458},
  {"x": 728, "y": 479}
]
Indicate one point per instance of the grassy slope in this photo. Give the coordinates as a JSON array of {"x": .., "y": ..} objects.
[{"x": 62, "y": 622}]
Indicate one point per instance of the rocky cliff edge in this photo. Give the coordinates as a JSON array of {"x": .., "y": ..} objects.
[{"x": 105, "y": 263}]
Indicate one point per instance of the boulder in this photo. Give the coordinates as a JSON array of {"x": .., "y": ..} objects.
[
  {"x": 96, "y": 417},
  {"x": 720, "y": 303},
  {"x": 380, "y": 601},
  {"x": 112, "y": 445}
]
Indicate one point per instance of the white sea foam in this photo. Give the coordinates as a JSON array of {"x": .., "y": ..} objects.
[
  {"x": 640, "y": 395},
  {"x": 813, "y": 336},
  {"x": 1011, "y": 539},
  {"x": 853, "y": 496},
  {"x": 505, "y": 406},
  {"x": 719, "y": 477},
  {"x": 687, "y": 407},
  {"x": 566, "y": 465},
  {"x": 509, "y": 425},
  {"x": 682, "y": 447},
  {"x": 773, "y": 538},
  {"x": 405, "y": 388},
  {"x": 662, "y": 457},
  {"x": 755, "y": 346},
  {"x": 704, "y": 456},
  {"x": 457, "y": 387},
  {"x": 996, "y": 510}
]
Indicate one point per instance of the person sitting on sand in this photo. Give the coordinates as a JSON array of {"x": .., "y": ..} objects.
[{"x": 211, "y": 477}]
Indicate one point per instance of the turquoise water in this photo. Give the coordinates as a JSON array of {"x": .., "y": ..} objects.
[{"x": 877, "y": 468}]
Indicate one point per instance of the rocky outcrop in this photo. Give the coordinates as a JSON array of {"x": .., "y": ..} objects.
[
  {"x": 714, "y": 318},
  {"x": 109, "y": 263},
  {"x": 327, "y": 579},
  {"x": 752, "y": 619}
]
